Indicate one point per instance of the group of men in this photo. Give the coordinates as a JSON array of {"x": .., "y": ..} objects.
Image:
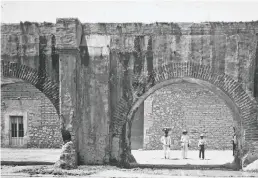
[{"x": 185, "y": 144}]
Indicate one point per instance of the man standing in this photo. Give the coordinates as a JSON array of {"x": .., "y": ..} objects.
[
  {"x": 201, "y": 145},
  {"x": 166, "y": 142},
  {"x": 185, "y": 143},
  {"x": 234, "y": 141}
]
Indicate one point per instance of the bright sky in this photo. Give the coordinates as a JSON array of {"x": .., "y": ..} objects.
[{"x": 130, "y": 11}]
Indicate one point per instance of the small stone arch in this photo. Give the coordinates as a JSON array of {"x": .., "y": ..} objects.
[
  {"x": 38, "y": 79},
  {"x": 244, "y": 106}
]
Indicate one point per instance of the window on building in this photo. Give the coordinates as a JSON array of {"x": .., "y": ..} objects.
[{"x": 17, "y": 127}]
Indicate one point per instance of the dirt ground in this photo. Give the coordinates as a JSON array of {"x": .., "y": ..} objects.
[
  {"x": 47, "y": 155},
  {"x": 149, "y": 157},
  {"x": 143, "y": 157},
  {"x": 111, "y": 171},
  {"x": 214, "y": 157}
]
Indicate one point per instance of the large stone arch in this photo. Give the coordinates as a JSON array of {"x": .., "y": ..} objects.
[
  {"x": 242, "y": 105},
  {"x": 38, "y": 79}
]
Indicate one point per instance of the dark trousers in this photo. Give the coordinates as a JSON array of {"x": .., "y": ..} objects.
[
  {"x": 201, "y": 152},
  {"x": 234, "y": 148}
]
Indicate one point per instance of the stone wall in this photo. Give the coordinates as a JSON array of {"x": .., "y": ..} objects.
[
  {"x": 84, "y": 72},
  {"x": 43, "y": 124},
  {"x": 99, "y": 63},
  {"x": 226, "y": 47},
  {"x": 93, "y": 128},
  {"x": 191, "y": 107},
  {"x": 31, "y": 44}
]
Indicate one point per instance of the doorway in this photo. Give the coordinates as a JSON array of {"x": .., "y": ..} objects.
[{"x": 16, "y": 131}]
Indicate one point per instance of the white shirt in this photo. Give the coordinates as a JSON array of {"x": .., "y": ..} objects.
[
  {"x": 185, "y": 139},
  {"x": 202, "y": 142},
  {"x": 166, "y": 140}
]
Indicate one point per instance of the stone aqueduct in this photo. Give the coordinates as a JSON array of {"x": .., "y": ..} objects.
[{"x": 97, "y": 75}]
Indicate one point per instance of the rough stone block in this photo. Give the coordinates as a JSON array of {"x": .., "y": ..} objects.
[
  {"x": 68, "y": 33},
  {"x": 68, "y": 157},
  {"x": 249, "y": 158}
]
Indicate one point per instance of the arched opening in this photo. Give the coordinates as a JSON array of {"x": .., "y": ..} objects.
[
  {"x": 29, "y": 119},
  {"x": 189, "y": 104},
  {"x": 39, "y": 79},
  {"x": 242, "y": 105},
  {"x": 30, "y": 113}
]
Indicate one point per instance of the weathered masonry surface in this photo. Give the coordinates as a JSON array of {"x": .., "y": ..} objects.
[
  {"x": 191, "y": 107},
  {"x": 97, "y": 75}
]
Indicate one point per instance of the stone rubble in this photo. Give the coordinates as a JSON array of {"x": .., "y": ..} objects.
[
  {"x": 68, "y": 157},
  {"x": 250, "y": 162},
  {"x": 253, "y": 167}
]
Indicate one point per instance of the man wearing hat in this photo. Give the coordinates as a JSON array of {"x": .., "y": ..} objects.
[
  {"x": 201, "y": 145},
  {"x": 166, "y": 142},
  {"x": 185, "y": 143}
]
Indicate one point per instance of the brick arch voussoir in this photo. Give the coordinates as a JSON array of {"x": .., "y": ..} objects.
[
  {"x": 31, "y": 75},
  {"x": 120, "y": 118},
  {"x": 52, "y": 92},
  {"x": 246, "y": 105},
  {"x": 237, "y": 94}
]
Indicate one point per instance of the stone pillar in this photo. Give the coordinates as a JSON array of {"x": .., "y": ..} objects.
[
  {"x": 148, "y": 121},
  {"x": 125, "y": 145},
  {"x": 68, "y": 39}
]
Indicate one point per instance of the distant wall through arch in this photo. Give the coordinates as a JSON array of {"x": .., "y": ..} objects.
[
  {"x": 41, "y": 121},
  {"x": 186, "y": 106}
]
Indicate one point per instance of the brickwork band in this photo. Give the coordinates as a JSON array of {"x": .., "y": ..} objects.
[{"x": 243, "y": 105}]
